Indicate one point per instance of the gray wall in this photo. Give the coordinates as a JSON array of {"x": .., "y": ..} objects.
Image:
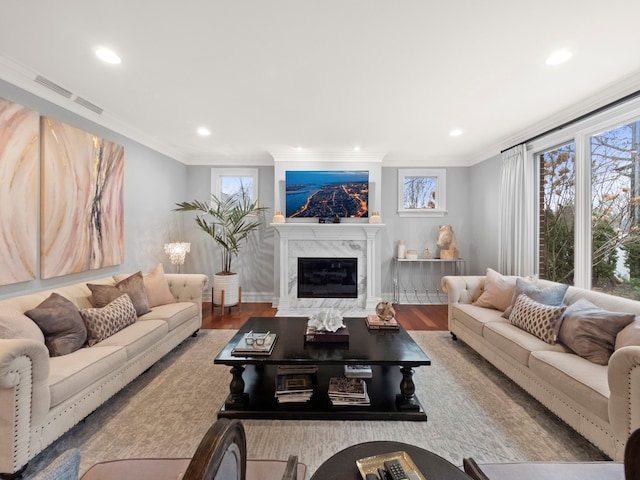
[
  {"x": 153, "y": 184},
  {"x": 483, "y": 186},
  {"x": 254, "y": 264}
]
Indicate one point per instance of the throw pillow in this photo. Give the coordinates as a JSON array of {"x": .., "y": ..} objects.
[
  {"x": 498, "y": 291},
  {"x": 61, "y": 323},
  {"x": 103, "y": 322},
  {"x": 14, "y": 324},
  {"x": 590, "y": 331},
  {"x": 552, "y": 296},
  {"x": 538, "y": 319},
  {"x": 156, "y": 286},
  {"x": 102, "y": 295}
]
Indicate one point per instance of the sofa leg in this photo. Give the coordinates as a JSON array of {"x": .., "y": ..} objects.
[
  {"x": 453, "y": 336},
  {"x": 195, "y": 334},
  {"x": 13, "y": 476}
]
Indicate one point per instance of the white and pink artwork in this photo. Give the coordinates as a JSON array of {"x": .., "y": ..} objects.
[
  {"x": 82, "y": 201},
  {"x": 19, "y": 159}
]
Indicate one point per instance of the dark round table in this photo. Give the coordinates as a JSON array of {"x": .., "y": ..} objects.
[{"x": 343, "y": 466}]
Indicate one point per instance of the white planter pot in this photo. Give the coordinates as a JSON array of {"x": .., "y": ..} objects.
[{"x": 229, "y": 284}]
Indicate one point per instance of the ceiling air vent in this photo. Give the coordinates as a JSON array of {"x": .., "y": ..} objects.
[
  {"x": 53, "y": 86},
  {"x": 88, "y": 104}
]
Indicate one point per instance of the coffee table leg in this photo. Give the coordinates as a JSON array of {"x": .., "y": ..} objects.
[
  {"x": 237, "y": 399},
  {"x": 406, "y": 399}
]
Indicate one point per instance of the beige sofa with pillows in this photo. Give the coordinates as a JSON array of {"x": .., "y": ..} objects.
[
  {"x": 64, "y": 352},
  {"x": 577, "y": 351}
]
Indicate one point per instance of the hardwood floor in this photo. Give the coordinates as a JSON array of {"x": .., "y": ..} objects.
[{"x": 411, "y": 317}]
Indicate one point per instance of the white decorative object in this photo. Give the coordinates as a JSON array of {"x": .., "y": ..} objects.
[
  {"x": 375, "y": 217},
  {"x": 177, "y": 252},
  {"x": 426, "y": 253},
  {"x": 329, "y": 320},
  {"x": 447, "y": 243},
  {"x": 401, "y": 249},
  {"x": 412, "y": 254}
]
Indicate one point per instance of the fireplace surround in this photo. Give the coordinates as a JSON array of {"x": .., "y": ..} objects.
[{"x": 353, "y": 240}]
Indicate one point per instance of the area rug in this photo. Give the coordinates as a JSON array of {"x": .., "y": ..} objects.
[{"x": 473, "y": 410}]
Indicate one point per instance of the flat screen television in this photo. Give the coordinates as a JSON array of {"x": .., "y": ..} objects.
[{"x": 327, "y": 193}]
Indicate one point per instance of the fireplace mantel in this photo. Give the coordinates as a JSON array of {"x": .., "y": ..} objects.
[{"x": 364, "y": 233}]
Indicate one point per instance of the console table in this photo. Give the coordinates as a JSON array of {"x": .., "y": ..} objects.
[{"x": 417, "y": 280}]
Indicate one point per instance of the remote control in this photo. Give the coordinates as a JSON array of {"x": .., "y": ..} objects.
[{"x": 395, "y": 470}]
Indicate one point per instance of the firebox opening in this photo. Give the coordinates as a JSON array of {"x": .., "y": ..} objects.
[{"x": 320, "y": 277}]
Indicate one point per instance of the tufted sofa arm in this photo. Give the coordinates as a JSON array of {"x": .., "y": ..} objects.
[
  {"x": 624, "y": 383},
  {"x": 24, "y": 397},
  {"x": 187, "y": 287},
  {"x": 462, "y": 289}
]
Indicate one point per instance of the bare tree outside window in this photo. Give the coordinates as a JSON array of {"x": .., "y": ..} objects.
[
  {"x": 615, "y": 211},
  {"x": 420, "y": 192}
]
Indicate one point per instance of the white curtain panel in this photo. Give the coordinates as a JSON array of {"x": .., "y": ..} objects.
[{"x": 516, "y": 213}]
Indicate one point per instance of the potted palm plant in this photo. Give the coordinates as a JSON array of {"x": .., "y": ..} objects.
[{"x": 229, "y": 222}]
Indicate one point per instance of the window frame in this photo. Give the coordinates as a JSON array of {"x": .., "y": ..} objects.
[
  {"x": 440, "y": 174},
  {"x": 218, "y": 173},
  {"x": 580, "y": 134}
]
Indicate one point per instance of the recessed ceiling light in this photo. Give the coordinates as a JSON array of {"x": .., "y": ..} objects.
[
  {"x": 203, "y": 131},
  {"x": 356, "y": 148},
  {"x": 558, "y": 57},
  {"x": 108, "y": 55},
  {"x": 456, "y": 132}
]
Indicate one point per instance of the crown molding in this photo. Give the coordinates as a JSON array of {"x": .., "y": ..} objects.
[{"x": 23, "y": 77}]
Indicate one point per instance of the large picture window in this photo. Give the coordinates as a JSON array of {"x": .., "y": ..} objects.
[{"x": 589, "y": 232}]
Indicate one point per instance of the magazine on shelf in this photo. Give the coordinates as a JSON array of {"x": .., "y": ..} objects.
[
  {"x": 254, "y": 344},
  {"x": 286, "y": 369},
  {"x": 358, "y": 371},
  {"x": 348, "y": 391},
  {"x": 295, "y": 387}
]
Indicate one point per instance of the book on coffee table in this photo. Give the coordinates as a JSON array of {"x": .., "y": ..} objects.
[
  {"x": 255, "y": 344},
  {"x": 375, "y": 323}
]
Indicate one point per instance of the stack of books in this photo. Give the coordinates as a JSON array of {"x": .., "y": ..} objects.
[
  {"x": 288, "y": 369},
  {"x": 358, "y": 371},
  {"x": 254, "y": 344},
  {"x": 348, "y": 391},
  {"x": 294, "y": 388},
  {"x": 375, "y": 323}
]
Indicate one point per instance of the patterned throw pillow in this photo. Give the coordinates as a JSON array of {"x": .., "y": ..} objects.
[
  {"x": 103, "y": 322},
  {"x": 538, "y": 319}
]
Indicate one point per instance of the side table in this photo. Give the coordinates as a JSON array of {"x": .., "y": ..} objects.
[{"x": 342, "y": 465}]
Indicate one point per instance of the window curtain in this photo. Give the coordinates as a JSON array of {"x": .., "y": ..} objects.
[{"x": 516, "y": 213}]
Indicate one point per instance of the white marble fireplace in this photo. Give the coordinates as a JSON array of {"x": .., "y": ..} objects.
[{"x": 351, "y": 240}]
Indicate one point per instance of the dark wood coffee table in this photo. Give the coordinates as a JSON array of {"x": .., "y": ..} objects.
[
  {"x": 392, "y": 354},
  {"x": 342, "y": 465}
]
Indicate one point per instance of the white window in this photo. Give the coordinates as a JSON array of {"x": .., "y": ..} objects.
[
  {"x": 227, "y": 182},
  {"x": 421, "y": 192}
]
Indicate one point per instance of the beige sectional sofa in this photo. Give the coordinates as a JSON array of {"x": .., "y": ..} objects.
[
  {"x": 43, "y": 396},
  {"x": 601, "y": 402}
]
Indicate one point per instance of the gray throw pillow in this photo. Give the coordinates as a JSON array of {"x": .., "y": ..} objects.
[
  {"x": 61, "y": 323},
  {"x": 102, "y": 295},
  {"x": 552, "y": 296},
  {"x": 590, "y": 331}
]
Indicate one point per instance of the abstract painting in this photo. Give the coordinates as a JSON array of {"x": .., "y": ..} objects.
[
  {"x": 81, "y": 201},
  {"x": 19, "y": 159}
]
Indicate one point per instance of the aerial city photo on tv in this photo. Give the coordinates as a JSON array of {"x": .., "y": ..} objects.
[{"x": 327, "y": 193}]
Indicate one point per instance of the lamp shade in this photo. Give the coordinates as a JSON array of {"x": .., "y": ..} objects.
[{"x": 177, "y": 251}]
